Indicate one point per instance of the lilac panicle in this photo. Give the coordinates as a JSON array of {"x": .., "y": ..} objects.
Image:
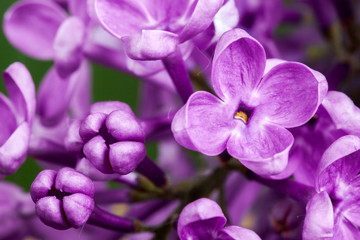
[
  {"x": 152, "y": 29},
  {"x": 333, "y": 212},
  {"x": 16, "y": 117},
  {"x": 257, "y": 101},
  {"x": 63, "y": 199},
  {"x": 204, "y": 219}
]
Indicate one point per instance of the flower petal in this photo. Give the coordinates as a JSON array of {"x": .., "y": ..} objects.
[
  {"x": 70, "y": 181},
  {"x": 290, "y": 94},
  {"x": 7, "y": 119},
  {"x": 78, "y": 208},
  {"x": 125, "y": 156},
  {"x": 97, "y": 151},
  {"x": 109, "y": 106},
  {"x": 238, "y": 65},
  {"x": 236, "y": 232},
  {"x": 343, "y": 112},
  {"x": 263, "y": 148},
  {"x": 150, "y": 44},
  {"x": 123, "y": 17},
  {"x": 54, "y": 105},
  {"x": 124, "y": 126},
  {"x": 339, "y": 165},
  {"x": 31, "y": 27},
  {"x": 204, "y": 124},
  {"x": 50, "y": 212},
  {"x": 319, "y": 220},
  {"x": 68, "y": 46},
  {"x": 13, "y": 151},
  {"x": 42, "y": 184},
  {"x": 201, "y": 18},
  {"x": 21, "y": 89},
  {"x": 91, "y": 125},
  {"x": 200, "y": 219}
]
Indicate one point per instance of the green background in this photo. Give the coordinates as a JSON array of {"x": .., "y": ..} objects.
[{"x": 107, "y": 85}]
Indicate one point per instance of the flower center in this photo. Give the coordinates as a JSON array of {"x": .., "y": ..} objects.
[{"x": 241, "y": 115}]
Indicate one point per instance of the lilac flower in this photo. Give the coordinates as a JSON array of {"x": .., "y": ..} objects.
[
  {"x": 63, "y": 199},
  {"x": 337, "y": 116},
  {"x": 113, "y": 138},
  {"x": 153, "y": 29},
  {"x": 203, "y": 219},
  {"x": 16, "y": 117},
  {"x": 333, "y": 212},
  {"x": 258, "y": 100},
  {"x": 49, "y": 33}
]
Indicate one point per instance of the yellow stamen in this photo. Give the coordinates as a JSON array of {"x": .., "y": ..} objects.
[{"x": 241, "y": 115}]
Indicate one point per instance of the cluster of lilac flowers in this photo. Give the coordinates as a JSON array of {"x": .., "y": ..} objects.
[{"x": 252, "y": 106}]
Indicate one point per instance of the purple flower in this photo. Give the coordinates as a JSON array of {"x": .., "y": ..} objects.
[
  {"x": 49, "y": 33},
  {"x": 16, "y": 117},
  {"x": 337, "y": 116},
  {"x": 203, "y": 219},
  {"x": 153, "y": 29},
  {"x": 333, "y": 212},
  {"x": 112, "y": 137},
  {"x": 258, "y": 100},
  {"x": 63, "y": 199}
]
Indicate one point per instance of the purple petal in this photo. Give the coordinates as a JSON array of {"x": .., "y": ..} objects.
[
  {"x": 91, "y": 125},
  {"x": 53, "y": 104},
  {"x": 289, "y": 94},
  {"x": 201, "y": 18},
  {"x": 125, "y": 156},
  {"x": 204, "y": 124},
  {"x": 201, "y": 218},
  {"x": 263, "y": 148},
  {"x": 122, "y": 17},
  {"x": 68, "y": 46},
  {"x": 319, "y": 220},
  {"x": 109, "y": 106},
  {"x": 73, "y": 141},
  {"x": 339, "y": 165},
  {"x": 238, "y": 65},
  {"x": 82, "y": 93},
  {"x": 78, "y": 208},
  {"x": 124, "y": 126},
  {"x": 43, "y": 182},
  {"x": 344, "y": 229},
  {"x": 351, "y": 206},
  {"x": 97, "y": 151},
  {"x": 70, "y": 181},
  {"x": 8, "y": 120},
  {"x": 13, "y": 151},
  {"x": 150, "y": 45},
  {"x": 79, "y": 9},
  {"x": 31, "y": 27},
  {"x": 21, "y": 89},
  {"x": 50, "y": 212},
  {"x": 343, "y": 112},
  {"x": 236, "y": 232}
]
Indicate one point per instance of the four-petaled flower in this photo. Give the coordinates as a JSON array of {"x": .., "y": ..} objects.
[{"x": 257, "y": 100}]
